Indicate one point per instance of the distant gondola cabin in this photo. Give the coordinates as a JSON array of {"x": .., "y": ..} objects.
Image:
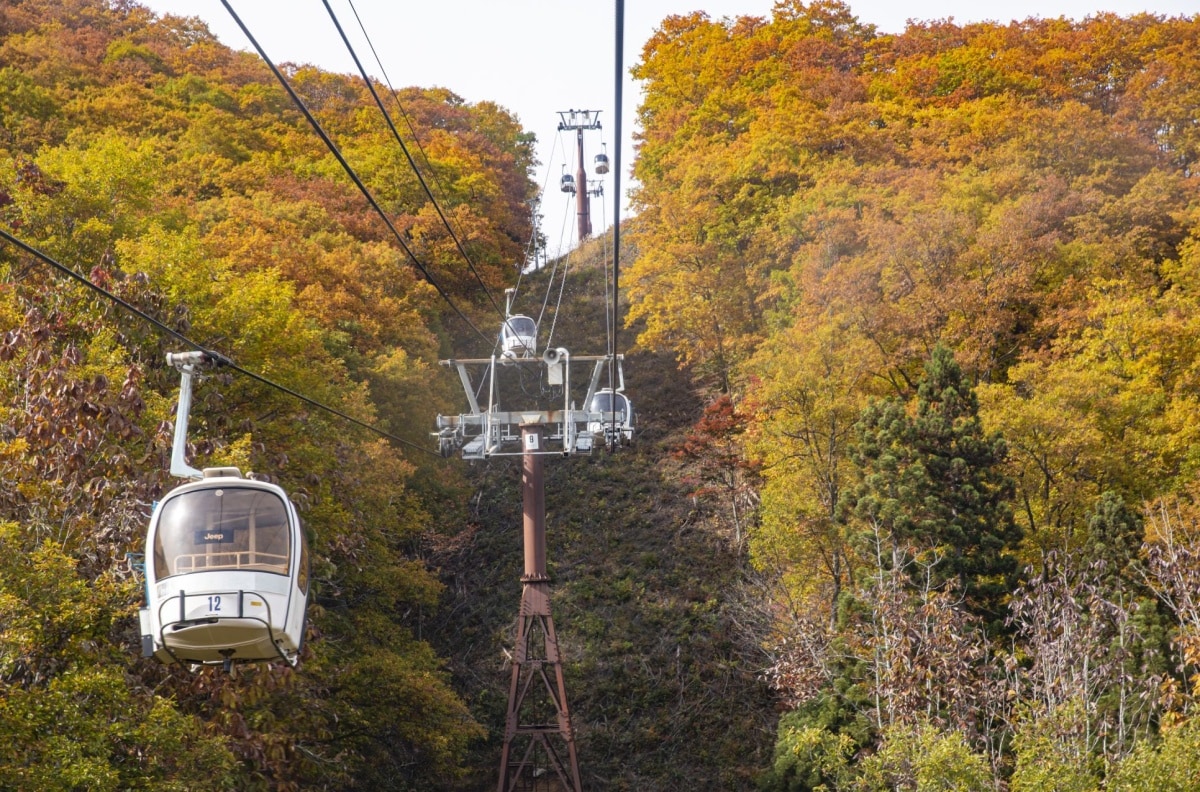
[
  {"x": 227, "y": 573},
  {"x": 616, "y": 418},
  {"x": 518, "y": 337},
  {"x": 601, "y": 164},
  {"x": 567, "y": 183}
]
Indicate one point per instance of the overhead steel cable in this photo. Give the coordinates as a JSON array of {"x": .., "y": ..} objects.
[
  {"x": 333, "y": 149},
  {"x": 417, "y": 140},
  {"x": 550, "y": 287},
  {"x": 618, "y": 99},
  {"x": 400, "y": 141},
  {"x": 412, "y": 163},
  {"x": 618, "y": 91},
  {"x": 217, "y": 357},
  {"x": 535, "y": 214},
  {"x": 70, "y": 273},
  {"x": 562, "y": 285},
  {"x": 396, "y": 98},
  {"x": 608, "y": 316},
  {"x": 532, "y": 246}
]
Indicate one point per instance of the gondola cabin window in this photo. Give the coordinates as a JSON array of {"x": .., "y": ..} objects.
[
  {"x": 607, "y": 402},
  {"x": 226, "y": 528},
  {"x": 522, "y": 326}
]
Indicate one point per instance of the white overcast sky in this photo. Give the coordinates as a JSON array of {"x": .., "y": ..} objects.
[{"x": 537, "y": 57}]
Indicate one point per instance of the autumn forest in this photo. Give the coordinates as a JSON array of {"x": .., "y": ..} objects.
[{"x": 912, "y": 323}]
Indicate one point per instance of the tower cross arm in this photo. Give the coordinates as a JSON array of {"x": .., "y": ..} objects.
[{"x": 578, "y": 119}]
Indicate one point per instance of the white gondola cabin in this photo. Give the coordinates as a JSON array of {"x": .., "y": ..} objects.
[
  {"x": 226, "y": 573},
  {"x": 227, "y": 567},
  {"x": 518, "y": 337},
  {"x": 567, "y": 183},
  {"x": 601, "y": 163},
  {"x": 617, "y": 422}
]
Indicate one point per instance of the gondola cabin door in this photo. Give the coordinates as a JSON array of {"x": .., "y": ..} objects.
[{"x": 226, "y": 573}]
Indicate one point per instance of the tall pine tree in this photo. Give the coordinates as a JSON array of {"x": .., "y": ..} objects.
[{"x": 932, "y": 480}]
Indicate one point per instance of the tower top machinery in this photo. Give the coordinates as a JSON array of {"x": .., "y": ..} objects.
[{"x": 489, "y": 429}]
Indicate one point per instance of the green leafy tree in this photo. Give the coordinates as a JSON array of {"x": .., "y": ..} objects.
[
  {"x": 808, "y": 393},
  {"x": 71, "y": 717},
  {"x": 1052, "y": 753},
  {"x": 175, "y": 173},
  {"x": 808, "y": 758},
  {"x": 922, "y": 758},
  {"x": 1169, "y": 764}
]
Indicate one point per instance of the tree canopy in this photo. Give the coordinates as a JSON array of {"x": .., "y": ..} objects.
[
  {"x": 946, "y": 278},
  {"x": 935, "y": 304},
  {"x": 176, "y": 174}
]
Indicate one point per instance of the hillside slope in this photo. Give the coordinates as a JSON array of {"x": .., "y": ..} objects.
[{"x": 660, "y": 694}]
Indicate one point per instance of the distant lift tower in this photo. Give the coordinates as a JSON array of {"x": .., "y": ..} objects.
[
  {"x": 579, "y": 120},
  {"x": 539, "y": 741}
]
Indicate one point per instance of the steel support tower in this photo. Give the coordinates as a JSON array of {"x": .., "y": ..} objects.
[
  {"x": 579, "y": 120},
  {"x": 539, "y": 750},
  {"x": 537, "y": 727}
]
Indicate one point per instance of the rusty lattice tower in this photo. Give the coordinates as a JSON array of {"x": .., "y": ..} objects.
[
  {"x": 539, "y": 750},
  {"x": 538, "y": 737}
]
